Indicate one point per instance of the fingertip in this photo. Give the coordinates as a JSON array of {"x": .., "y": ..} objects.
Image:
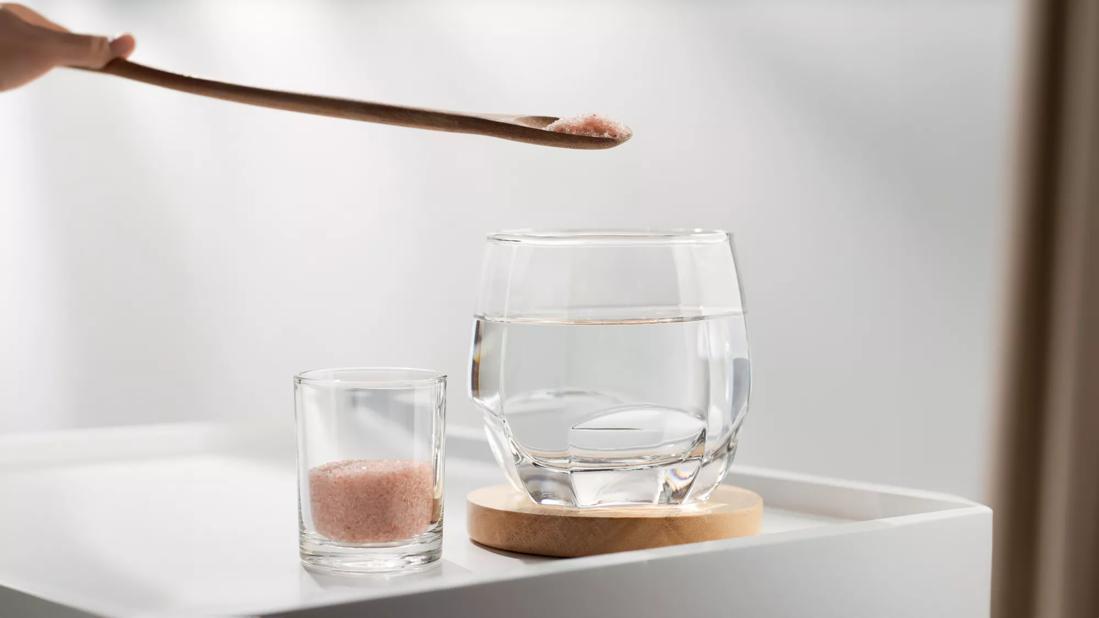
[{"x": 122, "y": 46}]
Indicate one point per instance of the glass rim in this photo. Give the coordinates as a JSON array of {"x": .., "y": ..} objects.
[
  {"x": 611, "y": 236},
  {"x": 386, "y": 377}
]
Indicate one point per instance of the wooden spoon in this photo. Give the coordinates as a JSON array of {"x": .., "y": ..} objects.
[{"x": 529, "y": 129}]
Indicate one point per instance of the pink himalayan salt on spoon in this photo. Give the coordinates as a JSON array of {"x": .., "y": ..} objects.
[
  {"x": 372, "y": 500},
  {"x": 591, "y": 125}
]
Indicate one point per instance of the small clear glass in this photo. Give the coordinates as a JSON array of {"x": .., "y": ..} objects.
[{"x": 370, "y": 467}]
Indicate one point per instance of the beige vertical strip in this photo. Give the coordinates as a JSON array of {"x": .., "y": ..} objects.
[
  {"x": 1068, "y": 524},
  {"x": 1020, "y": 433},
  {"x": 1046, "y": 561}
]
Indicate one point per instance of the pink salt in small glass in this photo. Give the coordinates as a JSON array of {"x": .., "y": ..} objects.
[{"x": 370, "y": 467}]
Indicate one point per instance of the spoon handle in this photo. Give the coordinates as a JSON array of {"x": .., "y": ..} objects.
[
  {"x": 504, "y": 127},
  {"x": 304, "y": 103}
]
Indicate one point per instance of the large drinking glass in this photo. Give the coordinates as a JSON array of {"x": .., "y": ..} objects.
[{"x": 611, "y": 366}]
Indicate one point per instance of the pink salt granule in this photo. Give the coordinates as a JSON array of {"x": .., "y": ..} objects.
[
  {"x": 371, "y": 500},
  {"x": 591, "y": 125}
]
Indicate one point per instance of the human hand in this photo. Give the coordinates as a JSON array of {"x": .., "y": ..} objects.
[{"x": 31, "y": 45}]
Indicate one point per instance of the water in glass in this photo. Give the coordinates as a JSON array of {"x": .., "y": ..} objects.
[{"x": 613, "y": 412}]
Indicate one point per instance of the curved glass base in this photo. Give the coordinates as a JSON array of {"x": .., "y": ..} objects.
[{"x": 614, "y": 483}]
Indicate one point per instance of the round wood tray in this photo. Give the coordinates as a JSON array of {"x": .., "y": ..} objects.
[{"x": 502, "y": 518}]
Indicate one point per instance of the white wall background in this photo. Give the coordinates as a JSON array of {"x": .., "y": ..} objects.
[{"x": 168, "y": 258}]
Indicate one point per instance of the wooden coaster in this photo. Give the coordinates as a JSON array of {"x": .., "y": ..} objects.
[{"x": 501, "y": 517}]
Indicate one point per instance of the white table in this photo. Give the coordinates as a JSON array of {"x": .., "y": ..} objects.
[{"x": 200, "y": 520}]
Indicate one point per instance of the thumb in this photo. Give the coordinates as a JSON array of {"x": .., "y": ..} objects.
[{"x": 83, "y": 50}]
